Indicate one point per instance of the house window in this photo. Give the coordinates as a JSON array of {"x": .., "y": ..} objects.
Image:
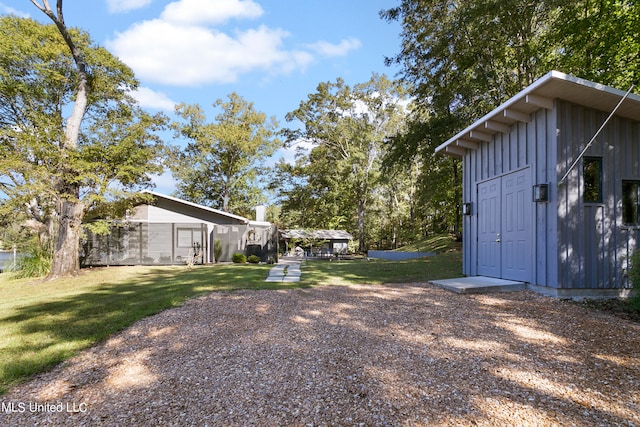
[
  {"x": 187, "y": 237},
  {"x": 592, "y": 176},
  {"x": 631, "y": 202}
]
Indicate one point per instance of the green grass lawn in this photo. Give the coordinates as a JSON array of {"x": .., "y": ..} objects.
[
  {"x": 438, "y": 243},
  {"x": 45, "y": 323},
  {"x": 379, "y": 271}
]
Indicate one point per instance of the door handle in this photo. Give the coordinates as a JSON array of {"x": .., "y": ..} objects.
[{"x": 497, "y": 240}]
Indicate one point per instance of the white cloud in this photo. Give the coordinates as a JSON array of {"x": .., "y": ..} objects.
[
  {"x": 116, "y": 6},
  {"x": 183, "y": 46},
  {"x": 168, "y": 53},
  {"x": 155, "y": 100},
  {"x": 202, "y": 11},
  {"x": 8, "y": 10},
  {"x": 329, "y": 49}
]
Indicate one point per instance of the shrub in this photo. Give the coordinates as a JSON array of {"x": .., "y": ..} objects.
[
  {"x": 254, "y": 259},
  {"x": 35, "y": 263},
  {"x": 634, "y": 278},
  {"x": 217, "y": 249},
  {"x": 239, "y": 258}
]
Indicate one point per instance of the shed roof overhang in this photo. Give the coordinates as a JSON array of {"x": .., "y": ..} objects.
[{"x": 540, "y": 94}]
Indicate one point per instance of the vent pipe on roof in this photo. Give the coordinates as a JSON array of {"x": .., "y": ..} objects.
[
  {"x": 575, "y": 162},
  {"x": 261, "y": 212}
]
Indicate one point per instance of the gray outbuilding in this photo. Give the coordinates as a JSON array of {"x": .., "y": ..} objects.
[{"x": 541, "y": 205}]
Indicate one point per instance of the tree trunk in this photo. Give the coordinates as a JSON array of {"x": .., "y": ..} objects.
[
  {"x": 361, "y": 231},
  {"x": 394, "y": 241},
  {"x": 66, "y": 252},
  {"x": 225, "y": 202},
  {"x": 66, "y": 255}
]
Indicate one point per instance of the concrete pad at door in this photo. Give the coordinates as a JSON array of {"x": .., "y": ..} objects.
[{"x": 479, "y": 285}]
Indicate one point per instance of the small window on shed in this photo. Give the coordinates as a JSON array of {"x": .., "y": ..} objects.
[
  {"x": 592, "y": 176},
  {"x": 631, "y": 202}
]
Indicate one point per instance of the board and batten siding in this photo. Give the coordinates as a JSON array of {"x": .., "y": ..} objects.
[
  {"x": 595, "y": 245},
  {"x": 526, "y": 146}
]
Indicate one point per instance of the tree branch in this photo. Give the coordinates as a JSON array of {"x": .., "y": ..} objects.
[{"x": 74, "y": 121}]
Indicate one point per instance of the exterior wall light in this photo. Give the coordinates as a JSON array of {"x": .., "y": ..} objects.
[
  {"x": 541, "y": 193},
  {"x": 466, "y": 209}
]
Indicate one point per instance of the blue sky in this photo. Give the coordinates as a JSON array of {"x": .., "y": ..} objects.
[{"x": 271, "y": 52}]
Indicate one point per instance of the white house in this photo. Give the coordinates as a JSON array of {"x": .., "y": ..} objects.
[{"x": 541, "y": 207}]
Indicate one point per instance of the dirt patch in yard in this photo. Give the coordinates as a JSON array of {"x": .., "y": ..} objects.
[
  {"x": 622, "y": 308},
  {"x": 407, "y": 354}
]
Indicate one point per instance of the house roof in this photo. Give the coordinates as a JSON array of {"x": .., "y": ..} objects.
[
  {"x": 316, "y": 234},
  {"x": 195, "y": 205},
  {"x": 540, "y": 94}
]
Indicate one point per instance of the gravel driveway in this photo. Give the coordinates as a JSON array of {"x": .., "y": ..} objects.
[{"x": 397, "y": 355}]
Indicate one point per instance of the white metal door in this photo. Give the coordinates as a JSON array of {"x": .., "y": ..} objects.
[
  {"x": 516, "y": 247},
  {"x": 489, "y": 228}
]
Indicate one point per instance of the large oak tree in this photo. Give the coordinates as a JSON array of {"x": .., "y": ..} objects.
[{"x": 72, "y": 138}]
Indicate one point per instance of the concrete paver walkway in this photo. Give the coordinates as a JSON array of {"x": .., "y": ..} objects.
[{"x": 287, "y": 270}]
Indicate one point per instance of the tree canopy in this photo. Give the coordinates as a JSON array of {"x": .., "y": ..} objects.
[
  {"x": 74, "y": 142},
  {"x": 463, "y": 58},
  {"x": 221, "y": 165},
  {"x": 47, "y": 173},
  {"x": 338, "y": 180}
]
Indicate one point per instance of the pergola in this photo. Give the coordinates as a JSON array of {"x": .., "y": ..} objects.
[{"x": 334, "y": 240}]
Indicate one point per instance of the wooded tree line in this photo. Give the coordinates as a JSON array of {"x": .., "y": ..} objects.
[
  {"x": 458, "y": 60},
  {"x": 338, "y": 184},
  {"x": 74, "y": 143},
  {"x": 461, "y": 59}
]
